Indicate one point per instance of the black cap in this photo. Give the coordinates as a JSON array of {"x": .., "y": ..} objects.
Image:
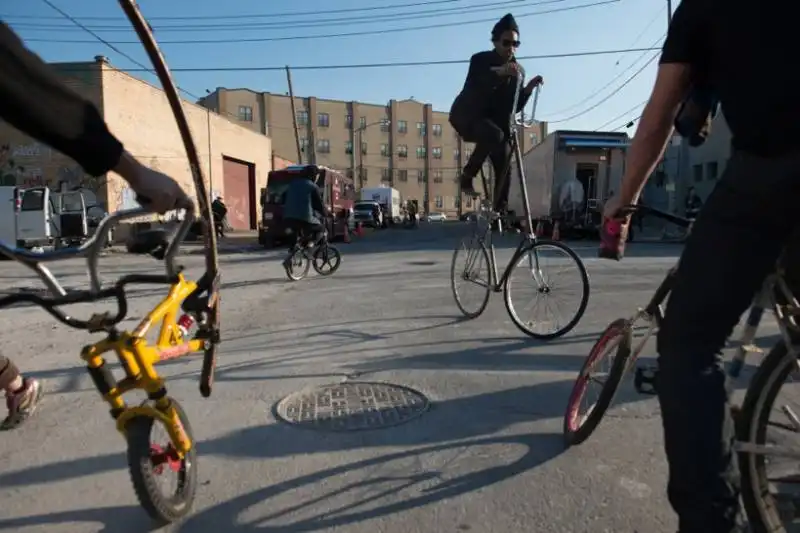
[{"x": 507, "y": 23}]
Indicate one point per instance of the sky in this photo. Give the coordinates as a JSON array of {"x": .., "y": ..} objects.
[{"x": 582, "y": 92}]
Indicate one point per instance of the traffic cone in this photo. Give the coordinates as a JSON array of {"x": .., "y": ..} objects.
[
  {"x": 539, "y": 229},
  {"x": 556, "y": 232}
]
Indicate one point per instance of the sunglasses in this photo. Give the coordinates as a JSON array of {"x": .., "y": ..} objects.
[{"x": 508, "y": 43}]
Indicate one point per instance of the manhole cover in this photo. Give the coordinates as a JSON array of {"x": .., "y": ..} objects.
[{"x": 352, "y": 406}]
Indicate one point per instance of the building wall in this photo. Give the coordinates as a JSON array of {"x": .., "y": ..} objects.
[
  {"x": 385, "y": 132},
  {"x": 139, "y": 114}
]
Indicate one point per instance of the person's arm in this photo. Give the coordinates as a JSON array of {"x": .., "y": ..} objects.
[
  {"x": 524, "y": 93},
  {"x": 316, "y": 200},
  {"x": 683, "y": 48},
  {"x": 480, "y": 76},
  {"x": 36, "y": 101}
]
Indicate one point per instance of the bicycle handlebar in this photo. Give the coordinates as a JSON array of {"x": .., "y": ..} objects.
[{"x": 658, "y": 213}]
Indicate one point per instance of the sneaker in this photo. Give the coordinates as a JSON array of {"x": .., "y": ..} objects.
[
  {"x": 23, "y": 404},
  {"x": 467, "y": 187}
]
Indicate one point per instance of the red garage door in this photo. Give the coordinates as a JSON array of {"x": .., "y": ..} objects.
[{"x": 237, "y": 177}]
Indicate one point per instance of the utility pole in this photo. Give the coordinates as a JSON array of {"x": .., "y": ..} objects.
[
  {"x": 294, "y": 117},
  {"x": 669, "y": 12},
  {"x": 312, "y": 149}
]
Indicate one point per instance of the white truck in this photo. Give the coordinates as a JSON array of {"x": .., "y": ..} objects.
[
  {"x": 388, "y": 197},
  {"x": 39, "y": 217}
]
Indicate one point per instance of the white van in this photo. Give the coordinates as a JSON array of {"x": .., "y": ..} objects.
[{"x": 38, "y": 217}]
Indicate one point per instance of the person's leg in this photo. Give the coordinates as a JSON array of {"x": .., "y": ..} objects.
[
  {"x": 487, "y": 136},
  {"x": 22, "y": 394},
  {"x": 500, "y": 157},
  {"x": 734, "y": 244}
]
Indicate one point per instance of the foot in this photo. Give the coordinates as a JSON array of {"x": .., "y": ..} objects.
[
  {"x": 22, "y": 404},
  {"x": 467, "y": 187}
]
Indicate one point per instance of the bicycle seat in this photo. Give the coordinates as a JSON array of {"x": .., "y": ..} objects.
[{"x": 148, "y": 242}]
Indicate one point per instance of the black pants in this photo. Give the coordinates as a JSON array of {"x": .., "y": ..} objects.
[
  {"x": 305, "y": 232},
  {"x": 493, "y": 142},
  {"x": 735, "y": 243}
]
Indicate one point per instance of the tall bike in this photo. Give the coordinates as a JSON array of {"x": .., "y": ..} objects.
[
  {"x": 147, "y": 460},
  {"x": 767, "y": 510},
  {"x": 474, "y": 260}
]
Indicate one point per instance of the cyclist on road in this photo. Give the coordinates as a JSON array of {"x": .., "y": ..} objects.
[
  {"x": 303, "y": 209},
  {"x": 737, "y": 238},
  {"x": 481, "y": 113},
  {"x": 34, "y": 100}
]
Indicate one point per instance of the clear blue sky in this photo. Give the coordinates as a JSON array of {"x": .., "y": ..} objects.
[{"x": 571, "y": 84}]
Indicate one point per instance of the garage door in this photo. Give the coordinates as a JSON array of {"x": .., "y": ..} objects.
[{"x": 236, "y": 178}]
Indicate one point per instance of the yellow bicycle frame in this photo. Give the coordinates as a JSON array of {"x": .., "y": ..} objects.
[{"x": 138, "y": 359}]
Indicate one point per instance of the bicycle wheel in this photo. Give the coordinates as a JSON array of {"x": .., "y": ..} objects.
[
  {"x": 297, "y": 265},
  {"x": 766, "y": 511},
  {"x": 545, "y": 287},
  {"x": 148, "y": 462},
  {"x": 475, "y": 271},
  {"x": 326, "y": 260},
  {"x": 579, "y": 427}
]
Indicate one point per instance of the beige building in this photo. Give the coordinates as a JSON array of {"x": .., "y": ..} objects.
[
  {"x": 236, "y": 160},
  {"x": 405, "y": 143}
]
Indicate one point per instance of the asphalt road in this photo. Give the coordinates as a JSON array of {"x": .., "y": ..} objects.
[{"x": 486, "y": 457}]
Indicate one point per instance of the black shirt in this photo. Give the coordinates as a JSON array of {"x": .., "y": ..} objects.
[{"x": 748, "y": 54}]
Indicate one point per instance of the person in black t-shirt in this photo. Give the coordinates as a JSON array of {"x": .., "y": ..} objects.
[{"x": 745, "y": 55}]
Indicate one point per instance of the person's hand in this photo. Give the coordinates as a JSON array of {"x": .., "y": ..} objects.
[
  {"x": 612, "y": 206},
  {"x": 535, "y": 82},
  {"x": 155, "y": 190},
  {"x": 509, "y": 69}
]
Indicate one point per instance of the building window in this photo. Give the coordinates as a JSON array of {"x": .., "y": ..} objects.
[
  {"x": 437, "y": 130},
  {"x": 386, "y": 125},
  {"x": 402, "y": 151},
  {"x": 437, "y": 176},
  {"x": 362, "y": 122},
  {"x": 421, "y": 152},
  {"x": 437, "y": 152},
  {"x": 323, "y": 120},
  {"x": 245, "y": 113},
  {"x": 385, "y": 150},
  {"x": 348, "y": 147},
  {"x": 421, "y": 129},
  {"x": 438, "y": 201},
  {"x": 420, "y": 176},
  {"x": 697, "y": 170},
  {"x": 402, "y": 175},
  {"x": 456, "y": 153},
  {"x": 323, "y": 146},
  {"x": 364, "y": 148},
  {"x": 348, "y": 121},
  {"x": 711, "y": 170},
  {"x": 303, "y": 144},
  {"x": 302, "y": 118},
  {"x": 385, "y": 174},
  {"x": 402, "y": 126}
]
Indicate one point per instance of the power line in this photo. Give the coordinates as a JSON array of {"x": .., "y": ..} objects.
[
  {"x": 252, "y": 15},
  {"x": 340, "y": 21},
  {"x": 333, "y": 35},
  {"x": 612, "y": 93},
  {"x": 628, "y": 124},
  {"x": 620, "y": 116},
  {"x": 356, "y": 66}
]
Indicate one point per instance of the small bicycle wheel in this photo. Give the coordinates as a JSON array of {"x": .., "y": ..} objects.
[
  {"x": 150, "y": 462},
  {"x": 579, "y": 426},
  {"x": 770, "y": 501},
  {"x": 326, "y": 260},
  {"x": 471, "y": 265},
  {"x": 545, "y": 287},
  {"x": 297, "y": 265}
]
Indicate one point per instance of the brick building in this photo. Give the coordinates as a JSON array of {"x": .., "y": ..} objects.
[
  {"x": 405, "y": 143},
  {"x": 236, "y": 160}
]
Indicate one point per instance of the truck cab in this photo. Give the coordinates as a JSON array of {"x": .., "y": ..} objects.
[{"x": 337, "y": 194}]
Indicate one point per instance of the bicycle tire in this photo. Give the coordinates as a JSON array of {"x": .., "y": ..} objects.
[
  {"x": 577, "y": 431},
  {"x": 483, "y": 255},
  {"x": 751, "y": 426},
  {"x": 163, "y": 509},
  {"x": 332, "y": 251},
  {"x": 297, "y": 274},
  {"x": 581, "y": 307}
]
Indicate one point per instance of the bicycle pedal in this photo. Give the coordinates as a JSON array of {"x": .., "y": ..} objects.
[{"x": 645, "y": 380}]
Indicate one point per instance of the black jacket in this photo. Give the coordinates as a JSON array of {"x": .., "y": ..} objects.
[
  {"x": 486, "y": 94},
  {"x": 303, "y": 199}
]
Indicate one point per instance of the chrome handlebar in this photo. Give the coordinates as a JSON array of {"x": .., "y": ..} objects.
[{"x": 92, "y": 248}]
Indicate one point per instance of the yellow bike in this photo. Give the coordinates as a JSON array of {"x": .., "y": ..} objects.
[{"x": 199, "y": 300}]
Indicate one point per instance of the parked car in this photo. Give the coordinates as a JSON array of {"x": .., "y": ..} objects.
[
  {"x": 436, "y": 217},
  {"x": 468, "y": 217}
]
